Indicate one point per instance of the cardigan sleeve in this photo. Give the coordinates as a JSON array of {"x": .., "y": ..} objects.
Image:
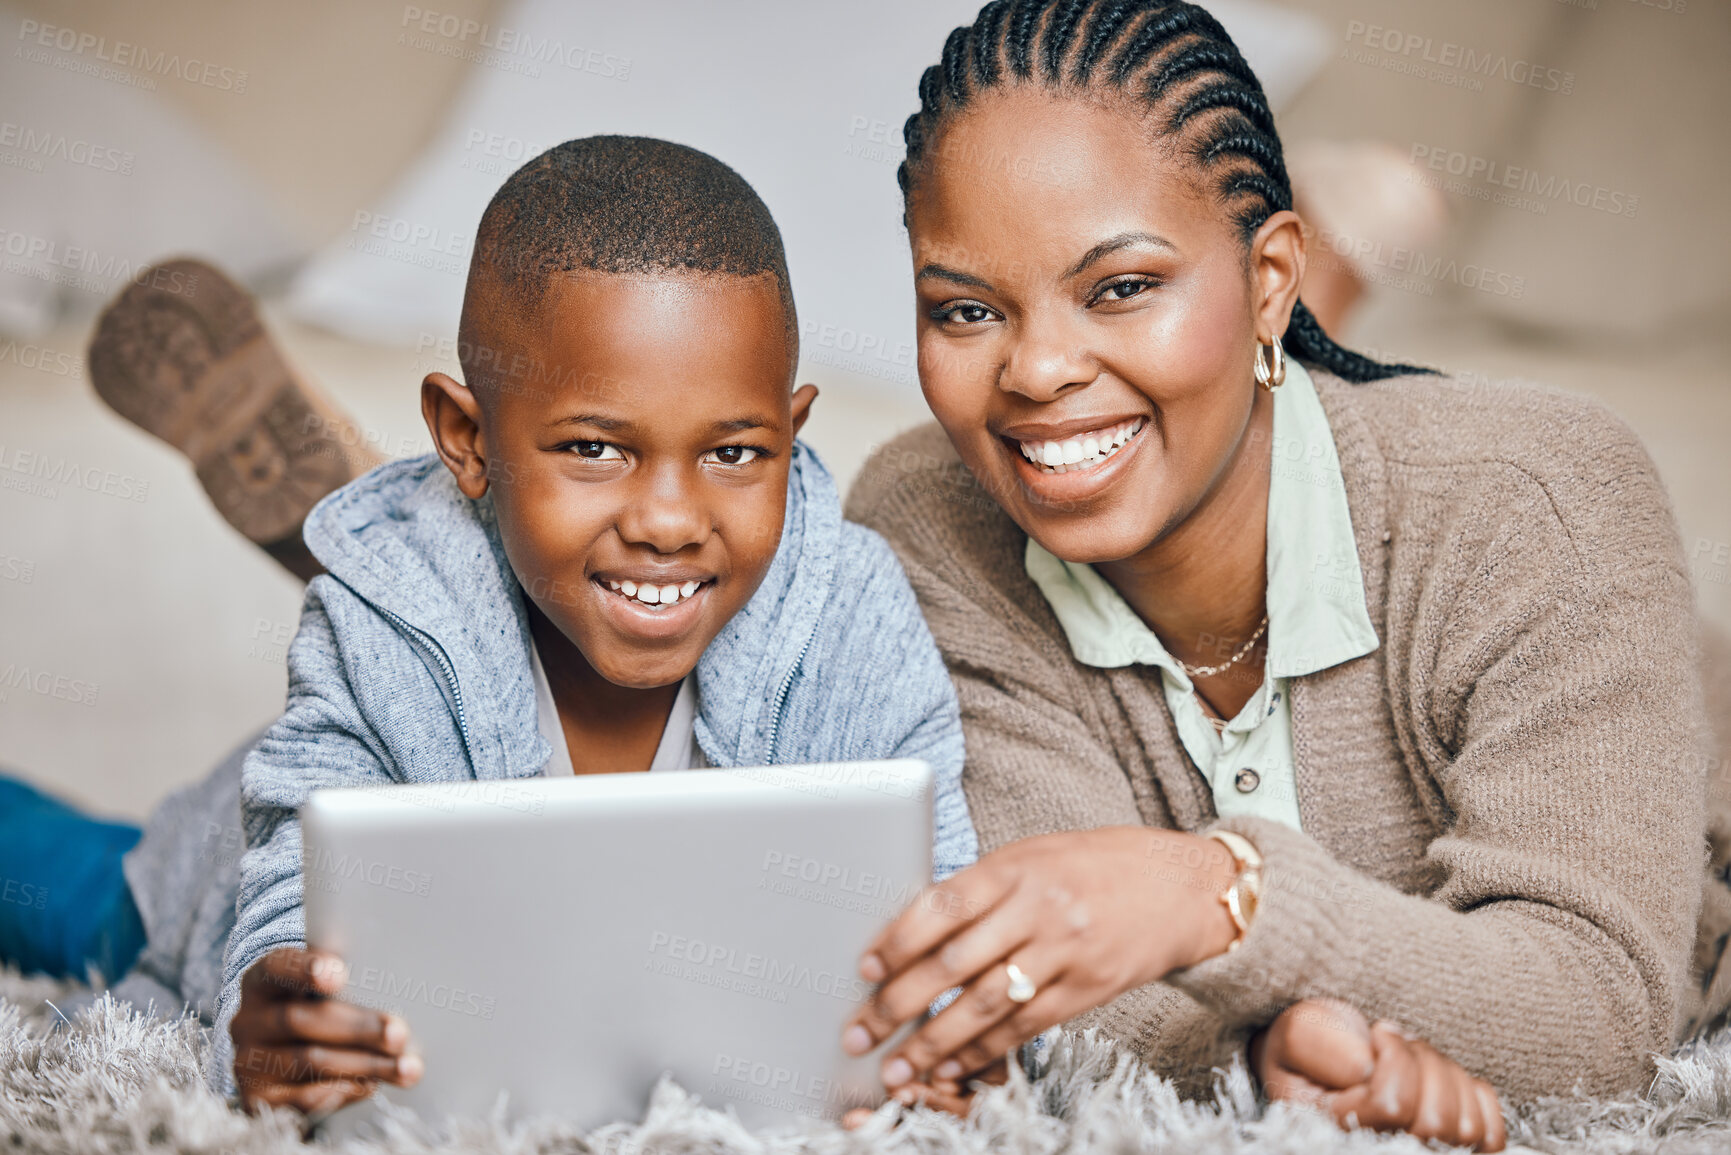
[
  {"x": 1037, "y": 762},
  {"x": 1548, "y": 675}
]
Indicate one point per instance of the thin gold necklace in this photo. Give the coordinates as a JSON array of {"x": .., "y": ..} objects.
[{"x": 1209, "y": 671}]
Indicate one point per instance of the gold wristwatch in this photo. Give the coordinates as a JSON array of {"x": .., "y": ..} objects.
[{"x": 1240, "y": 898}]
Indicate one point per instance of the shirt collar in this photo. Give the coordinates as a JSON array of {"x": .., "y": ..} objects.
[{"x": 1316, "y": 610}]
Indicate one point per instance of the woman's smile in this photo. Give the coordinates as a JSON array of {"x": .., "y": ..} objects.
[{"x": 1058, "y": 469}]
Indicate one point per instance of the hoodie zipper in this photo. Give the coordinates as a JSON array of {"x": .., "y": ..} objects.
[
  {"x": 427, "y": 643},
  {"x": 781, "y": 698}
]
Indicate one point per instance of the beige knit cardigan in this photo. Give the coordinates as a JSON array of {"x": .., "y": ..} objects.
[{"x": 1504, "y": 806}]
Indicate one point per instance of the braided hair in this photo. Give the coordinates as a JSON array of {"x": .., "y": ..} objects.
[{"x": 1183, "y": 67}]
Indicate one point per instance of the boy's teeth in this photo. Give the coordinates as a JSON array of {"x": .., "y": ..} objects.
[
  {"x": 1080, "y": 452},
  {"x": 653, "y": 595}
]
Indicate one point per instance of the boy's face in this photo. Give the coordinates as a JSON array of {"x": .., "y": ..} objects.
[{"x": 636, "y": 436}]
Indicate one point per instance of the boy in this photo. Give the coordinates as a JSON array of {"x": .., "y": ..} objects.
[{"x": 619, "y": 559}]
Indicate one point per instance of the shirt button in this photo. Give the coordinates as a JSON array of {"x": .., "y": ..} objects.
[{"x": 1247, "y": 780}]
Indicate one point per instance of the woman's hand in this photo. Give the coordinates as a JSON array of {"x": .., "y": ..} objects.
[
  {"x": 1321, "y": 1052},
  {"x": 1085, "y": 915},
  {"x": 945, "y": 1095},
  {"x": 297, "y": 1045}
]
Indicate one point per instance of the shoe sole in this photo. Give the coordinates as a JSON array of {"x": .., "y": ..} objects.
[{"x": 184, "y": 356}]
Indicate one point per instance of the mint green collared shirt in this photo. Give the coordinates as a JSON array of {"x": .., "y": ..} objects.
[{"x": 1316, "y": 616}]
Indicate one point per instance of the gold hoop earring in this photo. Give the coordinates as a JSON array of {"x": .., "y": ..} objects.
[{"x": 1271, "y": 374}]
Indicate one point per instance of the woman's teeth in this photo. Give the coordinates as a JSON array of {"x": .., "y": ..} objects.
[
  {"x": 1079, "y": 453},
  {"x": 654, "y": 595}
]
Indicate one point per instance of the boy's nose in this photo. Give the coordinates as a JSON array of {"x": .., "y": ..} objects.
[{"x": 666, "y": 517}]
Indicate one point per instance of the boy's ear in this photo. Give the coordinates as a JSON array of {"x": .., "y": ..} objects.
[
  {"x": 453, "y": 417},
  {"x": 802, "y": 399}
]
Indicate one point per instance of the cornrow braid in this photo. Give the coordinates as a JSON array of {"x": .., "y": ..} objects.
[{"x": 1180, "y": 64}]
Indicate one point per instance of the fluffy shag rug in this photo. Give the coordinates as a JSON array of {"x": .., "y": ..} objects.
[{"x": 107, "y": 1079}]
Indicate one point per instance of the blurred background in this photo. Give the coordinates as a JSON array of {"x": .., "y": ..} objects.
[{"x": 1506, "y": 189}]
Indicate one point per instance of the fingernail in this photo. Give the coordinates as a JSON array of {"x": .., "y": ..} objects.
[
  {"x": 906, "y": 1096},
  {"x": 871, "y": 969},
  {"x": 396, "y": 1032},
  {"x": 897, "y": 1071},
  {"x": 856, "y": 1040},
  {"x": 410, "y": 1068},
  {"x": 330, "y": 970},
  {"x": 948, "y": 1069}
]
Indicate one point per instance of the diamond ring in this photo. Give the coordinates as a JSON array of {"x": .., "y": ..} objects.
[{"x": 1021, "y": 986}]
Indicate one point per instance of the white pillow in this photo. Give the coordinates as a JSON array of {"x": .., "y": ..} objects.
[
  {"x": 806, "y": 101},
  {"x": 99, "y": 176}
]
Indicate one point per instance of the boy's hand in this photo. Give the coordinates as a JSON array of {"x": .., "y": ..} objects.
[
  {"x": 297, "y": 1045},
  {"x": 1322, "y": 1052}
]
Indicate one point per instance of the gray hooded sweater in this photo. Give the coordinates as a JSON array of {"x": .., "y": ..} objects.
[{"x": 412, "y": 665}]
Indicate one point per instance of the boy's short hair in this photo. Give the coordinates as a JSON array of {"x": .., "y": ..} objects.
[{"x": 623, "y": 204}]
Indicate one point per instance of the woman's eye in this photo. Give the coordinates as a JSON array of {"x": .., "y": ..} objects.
[
  {"x": 1124, "y": 290},
  {"x": 968, "y": 313},
  {"x": 735, "y": 455},
  {"x": 597, "y": 450}
]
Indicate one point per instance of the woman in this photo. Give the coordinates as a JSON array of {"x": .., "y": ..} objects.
[{"x": 1282, "y": 679}]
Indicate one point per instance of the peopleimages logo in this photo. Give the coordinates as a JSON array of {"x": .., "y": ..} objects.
[
  {"x": 123, "y": 54},
  {"x": 46, "y": 144},
  {"x": 724, "y": 962},
  {"x": 499, "y": 45},
  {"x": 1452, "y": 63},
  {"x": 383, "y": 990},
  {"x": 1537, "y": 190}
]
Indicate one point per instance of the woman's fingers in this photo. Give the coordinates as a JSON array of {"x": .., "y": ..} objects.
[
  {"x": 1496, "y": 1136},
  {"x": 973, "y": 955},
  {"x": 856, "y": 1118},
  {"x": 1438, "y": 1114},
  {"x": 1390, "y": 1099},
  {"x": 994, "y": 1074},
  {"x": 984, "y": 1022},
  {"x": 1315, "y": 1047},
  {"x": 940, "y": 911}
]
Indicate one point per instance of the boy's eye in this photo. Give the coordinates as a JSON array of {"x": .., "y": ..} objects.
[
  {"x": 597, "y": 450},
  {"x": 735, "y": 455},
  {"x": 962, "y": 313}
]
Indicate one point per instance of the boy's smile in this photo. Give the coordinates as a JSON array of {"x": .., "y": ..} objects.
[{"x": 635, "y": 432}]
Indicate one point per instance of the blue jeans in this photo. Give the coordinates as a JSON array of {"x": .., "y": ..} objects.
[{"x": 65, "y": 905}]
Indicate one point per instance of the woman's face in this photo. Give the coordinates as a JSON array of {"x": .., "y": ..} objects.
[{"x": 1087, "y": 320}]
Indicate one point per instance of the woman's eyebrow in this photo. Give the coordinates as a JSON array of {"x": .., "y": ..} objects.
[
  {"x": 1122, "y": 241},
  {"x": 929, "y": 272}
]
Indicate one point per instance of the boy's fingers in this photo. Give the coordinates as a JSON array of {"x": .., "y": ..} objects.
[
  {"x": 293, "y": 971},
  {"x": 309, "y": 1098},
  {"x": 334, "y": 1021},
  {"x": 317, "y": 1064}
]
